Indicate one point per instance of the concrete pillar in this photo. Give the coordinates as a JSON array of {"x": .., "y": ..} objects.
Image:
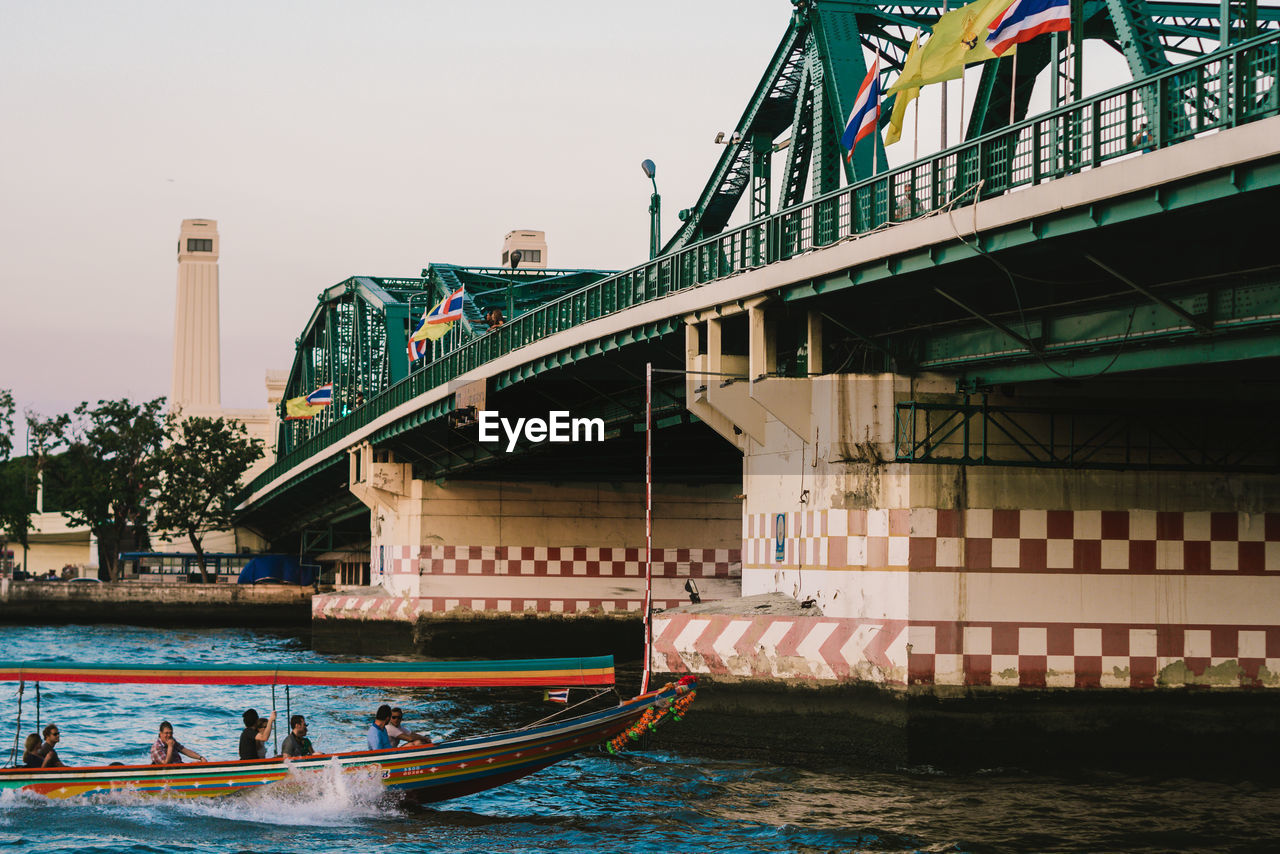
[
  {"x": 544, "y": 548},
  {"x": 948, "y": 575},
  {"x": 197, "y": 385}
]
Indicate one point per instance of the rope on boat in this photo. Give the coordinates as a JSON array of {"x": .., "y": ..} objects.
[
  {"x": 686, "y": 690},
  {"x": 17, "y": 736},
  {"x": 567, "y": 709},
  {"x": 275, "y": 739}
]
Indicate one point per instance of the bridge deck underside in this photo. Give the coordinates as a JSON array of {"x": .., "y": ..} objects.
[
  {"x": 609, "y": 386},
  {"x": 1072, "y": 297}
]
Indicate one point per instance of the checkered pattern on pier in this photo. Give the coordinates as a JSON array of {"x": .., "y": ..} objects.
[
  {"x": 923, "y": 539},
  {"x": 586, "y": 561}
]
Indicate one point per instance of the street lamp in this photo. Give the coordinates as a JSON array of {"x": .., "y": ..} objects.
[{"x": 655, "y": 208}]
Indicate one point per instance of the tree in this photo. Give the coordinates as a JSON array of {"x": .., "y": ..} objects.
[
  {"x": 19, "y": 478},
  {"x": 112, "y": 467},
  {"x": 6, "y": 424},
  {"x": 13, "y": 498},
  {"x": 200, "y": 471}
]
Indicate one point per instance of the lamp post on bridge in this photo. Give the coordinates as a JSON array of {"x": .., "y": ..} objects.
[{"x": 655, "y": 208}]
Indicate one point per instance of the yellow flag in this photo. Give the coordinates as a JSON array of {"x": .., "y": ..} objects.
[
  {"x": 431, "y": 331},
  {"x": 910, "y": 66},
  {"x": 296, "y": 408},
  {"x": 959, "y": 39}
]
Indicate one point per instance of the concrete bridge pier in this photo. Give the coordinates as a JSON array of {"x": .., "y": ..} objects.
[
  {"x": 948, "y": 588},
  {"x": 562, "y": 561}
]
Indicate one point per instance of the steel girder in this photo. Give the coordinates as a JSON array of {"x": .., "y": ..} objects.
[
  {"x": 355, "y": 338},
  {"x": 813, "y": 77}
]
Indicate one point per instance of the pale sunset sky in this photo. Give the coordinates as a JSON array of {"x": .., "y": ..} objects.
[{"x": 331, "y": 139}]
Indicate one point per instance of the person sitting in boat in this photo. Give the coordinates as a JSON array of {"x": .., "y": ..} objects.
[
  {"x": 254, "y": 736},
  {"x": 167, "y": 750},
  {"x": 296, "y": 742},
  {"x": 31, "y": 757},
  {"x": 378, "y": 738},
  {"x": 397, "y": 733},
  {"x": 49, "y": 756}
]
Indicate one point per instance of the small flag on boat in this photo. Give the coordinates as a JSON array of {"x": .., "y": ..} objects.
[
  {"x": 1026, "y": 19},
  {"x": 440, "y": 319},
  {"x": 866, "y": 110},
  {"x": 322, "y": 396},
  {"x": 556, "y": 695}
]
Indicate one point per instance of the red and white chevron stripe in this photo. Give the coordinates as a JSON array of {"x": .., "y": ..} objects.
[
  {"x": 806, "y": 648},
  {"x": 339, "y": 606},
  {"x": 1010, "y": 654}
]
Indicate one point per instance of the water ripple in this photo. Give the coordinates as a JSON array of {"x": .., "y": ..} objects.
[{"x": 660, "y": 801}]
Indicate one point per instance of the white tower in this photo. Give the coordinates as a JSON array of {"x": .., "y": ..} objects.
[{"x": 197, "y": 381}]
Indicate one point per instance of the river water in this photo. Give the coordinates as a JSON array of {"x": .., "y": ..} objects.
[{"x": 654, "y": 801}]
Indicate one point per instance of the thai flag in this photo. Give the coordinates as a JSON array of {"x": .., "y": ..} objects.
[
  {"x": 322, "y": 396},
  {"x": 559, "y": 695},
  {"x": 1026, "y": 19},
  {"x": 866, "y": 110},
  {"x": 417, "y": 349},
  {"x": 448, "y": 310}
]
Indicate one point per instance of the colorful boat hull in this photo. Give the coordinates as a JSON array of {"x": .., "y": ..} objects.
[{"x": 434, "y": 772}]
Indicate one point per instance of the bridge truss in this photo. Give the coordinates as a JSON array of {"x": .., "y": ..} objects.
[
  {"x": 812, "y": 80},
  {"x": 360, "y": 327}
]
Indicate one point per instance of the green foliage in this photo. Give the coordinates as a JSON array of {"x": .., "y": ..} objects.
[
  {"x": 199, "y": 477},
  {"x": 112, "y": 469},
  {"x": 17, "y": 501},
  {"x": 6, "y": 423}
]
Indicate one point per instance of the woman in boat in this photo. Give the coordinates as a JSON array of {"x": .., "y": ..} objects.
[
  {"x": 167, "y": 750},
  {"x": 31, "y": 757},
  {"x": 254, "y": 736},
  {"x": 49, "y": 756},
  {"x": 264, "y": 732}
]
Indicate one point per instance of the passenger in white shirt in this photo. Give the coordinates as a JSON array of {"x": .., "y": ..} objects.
[{"x": 398, "y": 734}]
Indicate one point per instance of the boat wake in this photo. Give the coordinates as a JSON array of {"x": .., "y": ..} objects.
[
  {"x": 324, "y": 797},
  {"x": 328, "y": 797}
]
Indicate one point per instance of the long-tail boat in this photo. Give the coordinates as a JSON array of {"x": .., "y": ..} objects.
[{"x": 427, "y": 772}]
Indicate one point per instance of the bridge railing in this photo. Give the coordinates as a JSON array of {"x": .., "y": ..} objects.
[{"x": 1221, "y": 90}]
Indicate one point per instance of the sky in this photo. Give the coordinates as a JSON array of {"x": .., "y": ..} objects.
[{"x": 332, "y": 139}]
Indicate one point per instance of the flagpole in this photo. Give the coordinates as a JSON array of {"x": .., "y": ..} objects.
[
  {"x": 1013, "y": 86},
  {"x": 648, "y": 526},
  {"x": 915, "y": 132},
  {"x": 876, "y": 146},
  {"x": 946, "y": 87}
]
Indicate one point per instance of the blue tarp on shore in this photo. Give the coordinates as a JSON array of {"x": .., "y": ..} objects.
[{"x": 281, "y": 569}]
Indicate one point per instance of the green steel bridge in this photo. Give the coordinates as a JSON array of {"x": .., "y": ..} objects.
[{"x": 1173, "y": 282}]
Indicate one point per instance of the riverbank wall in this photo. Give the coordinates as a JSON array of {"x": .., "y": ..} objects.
[{"x": 155, "y": 604}]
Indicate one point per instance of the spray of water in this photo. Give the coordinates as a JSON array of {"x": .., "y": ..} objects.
[
  {"x": 324, "y": 797},
  {"x": 318, "y": 797}
]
